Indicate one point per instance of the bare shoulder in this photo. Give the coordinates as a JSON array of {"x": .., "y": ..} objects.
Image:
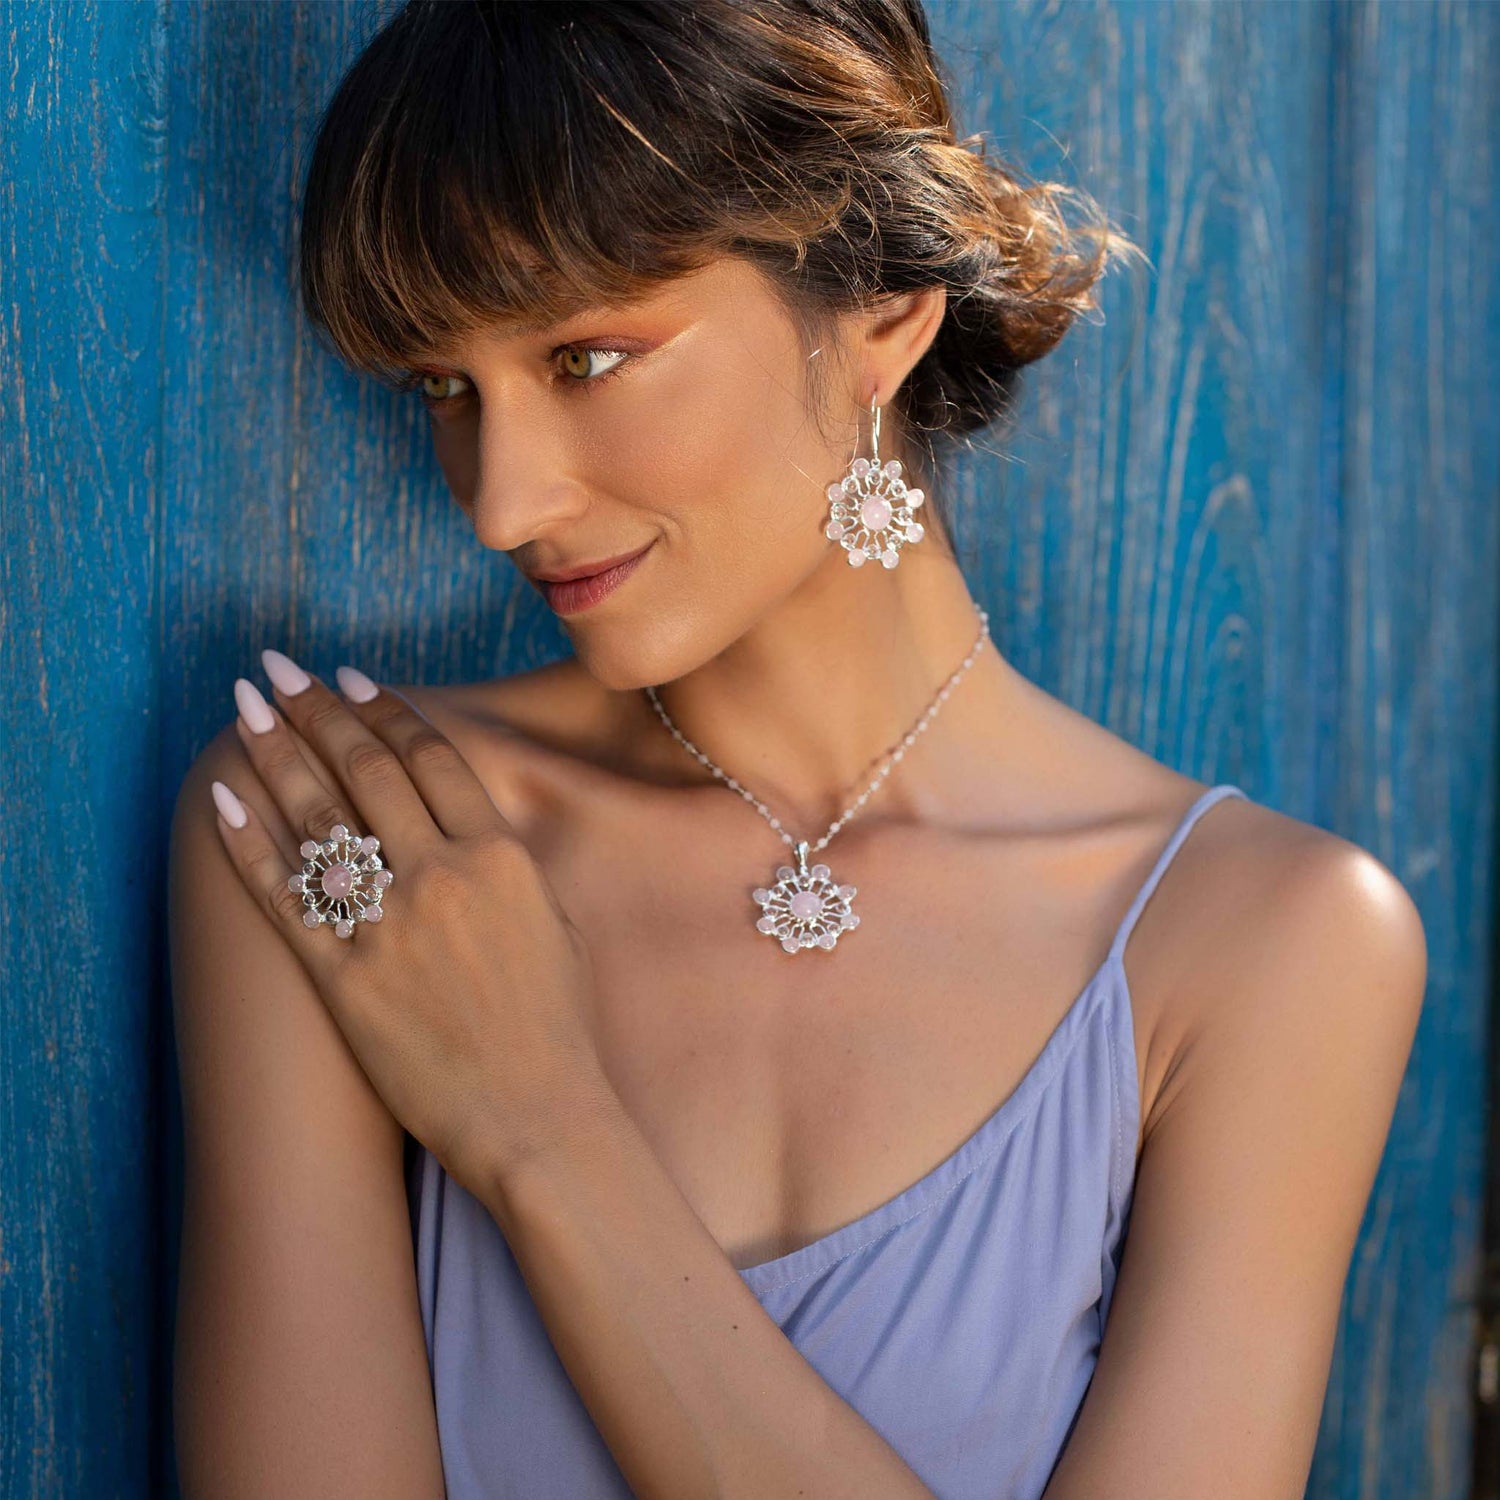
[
  {"x": 514, "y": 729},
  {"x": 557, "y": 707},
  {"x": 1275, "y": 932},
  {"x": 299, "y": 1363},
  {"x": 1296, "y": 962},
  {"x": 525, "y": 703}
]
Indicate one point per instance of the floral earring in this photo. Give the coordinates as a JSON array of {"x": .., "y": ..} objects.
[{"x": 871, "y": 508}]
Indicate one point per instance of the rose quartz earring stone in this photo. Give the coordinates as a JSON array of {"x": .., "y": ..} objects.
[
  {"x": 338, "y": 881},
  {"x": 876, "y": 513}
]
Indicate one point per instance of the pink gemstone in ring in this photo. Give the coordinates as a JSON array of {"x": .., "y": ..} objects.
[{"x": 342, "y": 880}]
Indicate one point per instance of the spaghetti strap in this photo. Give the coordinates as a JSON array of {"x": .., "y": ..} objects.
[{"x": 1214, "y": 794}]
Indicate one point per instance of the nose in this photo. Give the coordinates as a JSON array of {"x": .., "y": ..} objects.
[{"x": 524, "y": 486}]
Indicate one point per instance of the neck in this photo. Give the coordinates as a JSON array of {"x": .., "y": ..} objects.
[{"x": 803, "y": 709}]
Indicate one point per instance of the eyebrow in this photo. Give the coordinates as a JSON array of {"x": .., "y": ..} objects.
[
  {"x": 528, "y": 327},
  {"x": 432, "y": 354},
  {"x": 541, "y": 325}
]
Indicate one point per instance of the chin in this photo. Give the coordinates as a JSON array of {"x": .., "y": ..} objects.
[
  {"x": 615, "y": 674},
  {"x": 623, "y": 656},
  {"x": 617, "y": 659}
]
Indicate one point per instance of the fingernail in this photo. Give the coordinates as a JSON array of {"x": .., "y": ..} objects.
[
  {"x": 355, "y": 685},
  {"x": 254, "y": 709},
  {"x": 229, "y": 805},
  {"x": 284, "y": 672}
]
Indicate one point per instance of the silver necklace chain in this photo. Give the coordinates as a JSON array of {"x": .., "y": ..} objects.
[{"x": 908, "y": 740}]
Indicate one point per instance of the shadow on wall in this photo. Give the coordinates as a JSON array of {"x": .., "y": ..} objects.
[{"x": 304, "y": 508}]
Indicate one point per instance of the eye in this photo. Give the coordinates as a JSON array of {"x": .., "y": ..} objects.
[
  {"x": 576, "y": 358},
  {"x": 430, "y": 385}
]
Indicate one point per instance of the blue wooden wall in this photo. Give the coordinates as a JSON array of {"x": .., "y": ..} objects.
[{"x": 1249, "y": 521}]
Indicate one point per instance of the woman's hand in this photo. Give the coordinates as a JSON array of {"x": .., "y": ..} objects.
[{"x": 468, "y": 1002}]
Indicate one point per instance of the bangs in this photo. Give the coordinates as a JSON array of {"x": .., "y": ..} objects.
[
  {"x": 466, "y": 176},
  {"x": 508, "y": 163}
]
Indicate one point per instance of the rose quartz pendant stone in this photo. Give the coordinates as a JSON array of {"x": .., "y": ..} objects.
[
  {"x": 875, "y": 513},
  {"x": 338, "y": 881},
  {"x": 806, "y": 906}
]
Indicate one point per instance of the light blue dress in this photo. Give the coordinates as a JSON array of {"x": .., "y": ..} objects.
[{"x": 961, "y": 1318}]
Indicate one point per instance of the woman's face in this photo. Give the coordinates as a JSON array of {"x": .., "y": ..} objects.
[{"x": 678, "y": 425}]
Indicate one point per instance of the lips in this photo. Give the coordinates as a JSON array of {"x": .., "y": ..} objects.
[
  {"x": 588, "y": 570},
  {"x": 570, "y": 595}
]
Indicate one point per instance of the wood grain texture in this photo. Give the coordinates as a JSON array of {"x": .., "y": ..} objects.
[
  {"x": 82, "y": 141},
  {"x": 1255, "y": 530},
  {"x": 1248, "y": 519}
]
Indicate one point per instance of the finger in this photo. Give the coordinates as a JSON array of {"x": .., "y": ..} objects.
[
  {"x": 385, "y": 753},
  {"x": 281, "y": 893},
  {"x": 303, "y": 796},
  {"x": 456, "y": 797},
  {"x": 288, "y": 838},
  {"x": 381, "y": 796}
]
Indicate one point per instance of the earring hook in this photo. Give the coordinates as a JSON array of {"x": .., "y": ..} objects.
[{"x": 875, "y": 411}]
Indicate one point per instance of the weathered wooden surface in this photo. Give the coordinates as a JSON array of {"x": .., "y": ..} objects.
[
  {"x": 1249, "y": 522},
  {"x": 82, "y": 139},
  {"x": 1257, "y": 532}
]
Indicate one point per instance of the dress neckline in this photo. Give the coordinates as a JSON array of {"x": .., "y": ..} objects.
[
  {"x": 808, "y": 1260},
  {"x": 1108, "y": 978}
]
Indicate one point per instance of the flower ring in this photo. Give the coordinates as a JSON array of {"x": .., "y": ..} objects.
[{"x": 342, "y": 881}]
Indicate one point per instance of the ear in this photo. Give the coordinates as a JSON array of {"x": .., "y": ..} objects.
[{"x": 899, "y": 330}]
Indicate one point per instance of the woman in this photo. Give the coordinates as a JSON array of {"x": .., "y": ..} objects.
[{"x": 782, "y": 1142}]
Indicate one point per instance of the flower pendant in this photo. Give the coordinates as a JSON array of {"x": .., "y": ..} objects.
[{"x": 805, "y": 908}]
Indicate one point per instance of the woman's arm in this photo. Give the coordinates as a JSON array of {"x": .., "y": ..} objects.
[
  {"x": 300, "y": 1364},
  {"x": 692, "y": 1385},
  {"x": 1253, "y": 1182}
]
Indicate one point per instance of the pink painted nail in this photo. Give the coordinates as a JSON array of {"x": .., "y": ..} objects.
[
  {"x": 229, "y": 805},
  {"x": 254, "y": 709},
  {"x": 354, "y": 685},
  {"x": 284, "y": 672}
]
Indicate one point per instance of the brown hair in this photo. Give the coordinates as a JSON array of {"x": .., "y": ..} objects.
[{"x": 511, "y": 162}]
